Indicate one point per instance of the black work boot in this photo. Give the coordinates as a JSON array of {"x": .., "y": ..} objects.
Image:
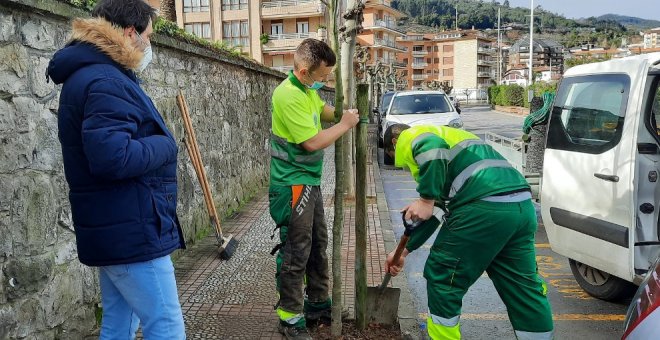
[
  {"x": 293, "y": 332},
  {"x": 320, "y": 313}
]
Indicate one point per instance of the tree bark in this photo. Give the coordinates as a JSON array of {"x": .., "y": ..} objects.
[
  {"x": 348, "y": 79},
  {"x": 338, "y": 222},
  {"x": 361, "y": 208}
]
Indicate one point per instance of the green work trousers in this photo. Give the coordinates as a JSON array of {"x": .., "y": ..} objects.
[{"x": 497, "y": 238}]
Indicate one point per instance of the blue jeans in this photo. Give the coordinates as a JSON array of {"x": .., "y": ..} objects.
[{"x": 143, "y": 292}]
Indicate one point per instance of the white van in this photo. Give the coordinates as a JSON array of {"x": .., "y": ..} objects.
[{"x": 600, "y": 195}]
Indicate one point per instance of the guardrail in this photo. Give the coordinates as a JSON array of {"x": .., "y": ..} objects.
[{"x": 286, "y": 3}]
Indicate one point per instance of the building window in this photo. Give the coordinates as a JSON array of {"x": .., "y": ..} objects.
[
  {"x": 277, "y": 29},
  {"x": 233, "y": 5},
  {"x": 448, "y": 72},
  {"x": 418, "y": 48},
  {"x": 405, "y": 61},
  {"x": 428, "y": 49},
  {"x": 302, "y": 27},
  {"x": 236, "y": 33},
  {"x": 428, "y": 60},
  {"x": 436, "y": 48},
  {"x": 448, "y": 60},
  {"x": 200, "y": 29},
  {"x": 436, "y": 60},
  {"x": 448, "y": 48},
  {"x": 190, "y": 6}
]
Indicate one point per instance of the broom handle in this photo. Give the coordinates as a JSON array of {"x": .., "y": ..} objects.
[
  {"x": 198, "y": 173},
  {"x": 197, "y": 162}
]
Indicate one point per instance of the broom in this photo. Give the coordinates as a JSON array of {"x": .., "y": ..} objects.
[{"x": 226, "y": 245}]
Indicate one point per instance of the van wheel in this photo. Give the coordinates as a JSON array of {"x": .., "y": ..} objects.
[
  {"x": 600, "y": 284},
  {"x": 387, "y": 160}
]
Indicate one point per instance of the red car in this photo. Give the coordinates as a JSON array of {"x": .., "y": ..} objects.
[{"x": 643, "y": 317}]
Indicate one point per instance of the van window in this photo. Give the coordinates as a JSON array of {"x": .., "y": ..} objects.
[
  {"x": 655, "y": 112},
  {"x": 588, "y": 113}
]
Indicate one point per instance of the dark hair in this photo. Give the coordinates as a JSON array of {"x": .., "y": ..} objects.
[
  {"x": 126, "y": 13},
  {"x": 311, "y": 52},
  {"x": 392, "y": 132}
]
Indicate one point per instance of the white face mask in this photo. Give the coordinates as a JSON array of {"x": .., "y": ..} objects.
[
  {"x": 146, "y": 59},
  {"x": 148, "y": 55}
]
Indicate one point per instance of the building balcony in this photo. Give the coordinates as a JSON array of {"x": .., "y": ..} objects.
[
  {"x": 385, "y": 5},
  {"x": 283, "y": 69},
  {"x": 481, "y": 62},
  {"x": 382, "y": 24},
  {"x": 412, "y": 38},
  {"x": 483, "y": 74},
  {"x": 286, "y": 42},
  {"x": 486, "y": 50},
  {"x": 291, "y": 8},
  {"x": 387, "y": 62},
  {"x": 389, "y": 44},
  {"x": 419, "y": 53},
  {"x": 420, "y": 65},
  {"x": 420, "y": 76}
]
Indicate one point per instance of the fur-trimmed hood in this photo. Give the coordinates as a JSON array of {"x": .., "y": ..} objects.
[{"x": 89, "y": 37}]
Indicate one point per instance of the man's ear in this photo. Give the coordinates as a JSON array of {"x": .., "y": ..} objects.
[{"x": 394, "y": 139}]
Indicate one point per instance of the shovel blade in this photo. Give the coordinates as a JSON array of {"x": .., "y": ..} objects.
[{"x": 383, "y": 305}]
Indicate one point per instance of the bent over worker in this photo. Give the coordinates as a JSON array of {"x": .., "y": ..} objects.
[
  {"x": 296, "y": 201},
  {"x": 489, "y": 225}
]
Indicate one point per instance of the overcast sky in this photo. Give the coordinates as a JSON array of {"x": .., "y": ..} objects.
[{"x": 646, "y": 9}]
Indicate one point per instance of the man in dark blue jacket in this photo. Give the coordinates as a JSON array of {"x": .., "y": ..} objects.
[{"x": 120, "y": 164}]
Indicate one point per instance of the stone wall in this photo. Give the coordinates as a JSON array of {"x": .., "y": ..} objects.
[{"x": 45, "y": 293}]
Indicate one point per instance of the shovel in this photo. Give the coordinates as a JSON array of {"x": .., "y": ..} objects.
[{"x": 382, "y": 301}]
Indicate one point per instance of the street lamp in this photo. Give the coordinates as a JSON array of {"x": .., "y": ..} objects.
[{"x": 531, "y": 44}]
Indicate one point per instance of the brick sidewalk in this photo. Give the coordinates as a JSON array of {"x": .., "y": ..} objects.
[{"x": 234, "y": 299}]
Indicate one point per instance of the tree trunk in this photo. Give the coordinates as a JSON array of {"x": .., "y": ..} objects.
[
  {"x": 348, "y": 78},
  {"x": 338, "y": 223},
  {"x": 361, "y": 208}
]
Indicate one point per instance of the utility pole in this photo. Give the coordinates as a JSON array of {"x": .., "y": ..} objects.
[
  {"x": 531, "y": 45},
  {"x": 456, "y": 8},
  {"x": 499, "y": 48}
]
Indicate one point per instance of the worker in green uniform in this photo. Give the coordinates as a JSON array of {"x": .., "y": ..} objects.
[
  {"x": 295, "y": 198},
  {"x": 489, "y": 225}
]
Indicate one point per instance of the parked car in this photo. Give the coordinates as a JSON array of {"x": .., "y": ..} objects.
[
  {"x": 380, "y": 113},
  {"x": 419, "y": 108},
  {"x": 643, "y": 317}
]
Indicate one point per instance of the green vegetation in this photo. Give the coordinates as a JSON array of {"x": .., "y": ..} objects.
[
  {"x": 483, "y": 15},
  {"x": 170, "y": 29},
  {"x": 516, "y": 95}
]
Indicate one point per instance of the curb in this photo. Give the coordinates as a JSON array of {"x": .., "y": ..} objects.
[{"x": 407, "y": 318}]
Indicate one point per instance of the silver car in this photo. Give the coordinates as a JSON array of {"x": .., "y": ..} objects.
[{"x": 419, "y": 108}]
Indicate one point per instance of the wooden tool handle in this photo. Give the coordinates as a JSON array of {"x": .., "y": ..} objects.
[{"x": 397, "y": 254}]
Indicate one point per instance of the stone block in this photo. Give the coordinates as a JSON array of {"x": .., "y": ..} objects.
[
  {"x": 8, "y": 116},
  {"x": 27, "y": 276},
  {"x": 7, "y": 28},
  {"x": 40, "y": 87},
  {"x": 14, "y": 65},
  {"x": 33, "y": 220},
  {"x": 40, "y": 35},
  {"x": 7, "y": 321},
  {"x": 62, "y": 297}
]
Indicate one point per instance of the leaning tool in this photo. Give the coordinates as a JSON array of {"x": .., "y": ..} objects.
[
  {"x": 382, "y": 301},
  {"x": 226, "y": 245}
]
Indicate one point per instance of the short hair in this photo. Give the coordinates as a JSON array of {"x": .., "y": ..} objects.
[
  {"x": 311, "y": 52},
  {"x": 126, "y": 13},
  {"x": 392, "y": 132}
]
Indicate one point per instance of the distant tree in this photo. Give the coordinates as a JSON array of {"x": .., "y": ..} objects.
[{"x": 506, "y": 4}]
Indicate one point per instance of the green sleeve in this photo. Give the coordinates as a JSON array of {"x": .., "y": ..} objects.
[
  {"x": 432, "y": 152},
  {"x": 320, "y": 104},
  {"x": 422, "y": 233},
  {"x": 299, "y": 120}
]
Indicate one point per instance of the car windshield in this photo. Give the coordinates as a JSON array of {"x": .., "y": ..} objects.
[
  {"x": 385, "y": 102},
  {"x": 420, "y": 104}
]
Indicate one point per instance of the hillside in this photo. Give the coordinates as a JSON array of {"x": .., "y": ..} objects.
[
  {"x": 631, "y": 22},
  {"x": 480, "y": 14}
]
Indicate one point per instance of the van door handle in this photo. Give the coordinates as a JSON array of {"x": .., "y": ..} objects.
[{"x": 610, "y": 178}]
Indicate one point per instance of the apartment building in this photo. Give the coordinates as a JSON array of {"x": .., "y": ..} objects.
[
  {"x": 464, "y": 59},
  {"x": 381, "y": 32},
  {"x": 545, "y": 53},
  {"x": 269, "y": 31},
  {"x": 652, "y": 38}
]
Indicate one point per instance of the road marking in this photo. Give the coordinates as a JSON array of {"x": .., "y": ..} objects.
[
  {"x": 542, "y": 245},
  {"x": 555, "y": 317}
]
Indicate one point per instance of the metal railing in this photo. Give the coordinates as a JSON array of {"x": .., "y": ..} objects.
[
  {"x": 388, "y": 24},
  {"x": 283, "y": 69},
  {"x": 419, "y": 76},
  {"x": 392, "y": 44},
  {"x": 420, "y": 65},
  {"x": 485, "y": 50},
  {"x": 292, "y": 36},
  {"x": 412, "y": 38},
  {"x": 287, "y": 3},
  {"x": 483, "y": 74},
  {"x": 419, "y": 52}
]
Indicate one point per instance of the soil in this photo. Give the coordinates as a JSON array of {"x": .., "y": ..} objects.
[{"x": 349, "y": 332}]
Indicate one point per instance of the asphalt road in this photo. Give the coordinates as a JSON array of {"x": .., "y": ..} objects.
[{"x": 576, "y": 314}]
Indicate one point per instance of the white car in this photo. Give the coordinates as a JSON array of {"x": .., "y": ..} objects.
[{"x": 419, "y": 108}]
